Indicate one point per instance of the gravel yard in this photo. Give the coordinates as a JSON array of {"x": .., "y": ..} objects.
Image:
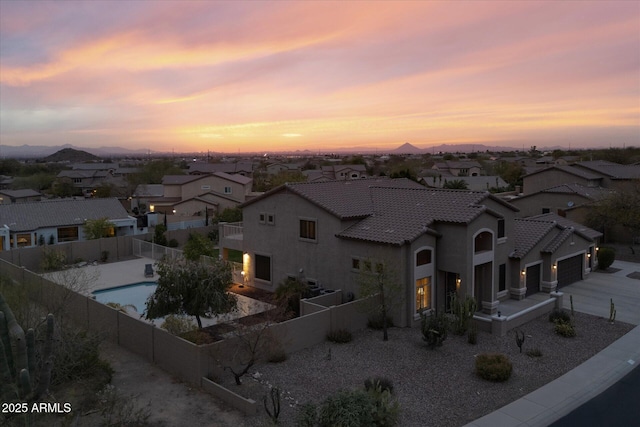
[{"x": 434, "y": 387}]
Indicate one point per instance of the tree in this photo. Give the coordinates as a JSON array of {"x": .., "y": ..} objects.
[
  {"x": 196, "y": 246},
  {"x": 456, "y": 184},
  {"x": 191, "y": 288},
  {"x": 230, "y": 215},
  {"x": 380, "y": 285},
  {"x": 98, "y": 228},
  {"x": 619, "y": 208},
  {"x": 103, "y": 191}
]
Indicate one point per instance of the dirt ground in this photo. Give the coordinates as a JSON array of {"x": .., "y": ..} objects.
[{"x": 170, "y": 401}]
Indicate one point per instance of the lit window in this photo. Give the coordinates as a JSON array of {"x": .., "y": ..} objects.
[
  {"x": 67, "y": 234},
  {"x": 423, "y": 294},
  {"x": 307, "y": 229}
]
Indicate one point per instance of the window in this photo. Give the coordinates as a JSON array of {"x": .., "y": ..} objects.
[
  {"x": 262, "y": 217},
  {"x": 307, "y": 229},
  {"x": 502, "y": 277},
  {"x": 271, "y": 220},
  {"x": 77, "y": 180},
  {"x": 423, "y": 294},
  {"x": 423, "y": 257},
  {"x": 227, "y": 190},
  {"x": 483, "y": 242},
  {"x": 263, "y": 267},
  {"x": 205, "y": 187},
  {"x": 24, "y": 240},
  {"x": 546, "y": 210},
  {"x": 67, "y": 234},
  {"x": 355, "y": 263},
  {"x": 500, "y": 228}
]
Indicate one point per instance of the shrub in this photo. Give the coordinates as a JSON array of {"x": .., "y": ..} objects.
[
  {"x": 173, "y": 243},
  {"x": 359, "y": 408},
  {"x": 307, "y": 415},
  {"x": 289, "y": 292},
  {"x": 53, "y": 260},
  {"x": 277, "y": 356},
  {"x": 606, "y": 256},
  {"x": 534, "y": 352},
  {"x": 434, "y": 329},
  {"x": 559, "y": 316},
  {"x": 565, "y": 330},
  {"x": 177, "y": 325},
  {"x": 381, "y": 383},
  {"x": 493, "y": 367},
  {"x": 376, "y": 322},
  {"x": 340, "y": 336}
]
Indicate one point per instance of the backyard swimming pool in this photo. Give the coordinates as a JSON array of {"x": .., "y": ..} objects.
[{"x": 136, "y": 295}]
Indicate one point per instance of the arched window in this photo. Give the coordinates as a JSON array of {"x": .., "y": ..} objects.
[
  {"x": 483, "y": 242},
  {"x": 423, "y": 257}
]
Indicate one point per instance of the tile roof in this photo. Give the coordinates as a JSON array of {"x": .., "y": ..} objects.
[
  {"x": 403, "y": 214},
  {"x": 240, "y": 179},
  {"x": 179, "y": 179},
  {"x": 149, "y": 190},
  {"x": 532, "y": 230},
  {"x": 612, "y": 170},
  {"x": 35, "y": 215},
  {"x": 568, "y": 169},
  {"x": 20, "y": 193}
]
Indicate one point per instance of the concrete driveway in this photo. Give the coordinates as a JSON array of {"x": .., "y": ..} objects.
[{"x": 593, "y": 295}]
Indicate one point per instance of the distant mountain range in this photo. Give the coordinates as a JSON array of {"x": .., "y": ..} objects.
[{"x": 41, "y": 151}]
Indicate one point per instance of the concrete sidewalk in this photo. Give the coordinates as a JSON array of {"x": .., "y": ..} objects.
[{"x": 561, "y": 396}]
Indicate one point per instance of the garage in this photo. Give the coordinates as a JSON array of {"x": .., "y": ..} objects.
[
  {"x": 570, "y": 270},
  {"x": 533, "y": 279}
]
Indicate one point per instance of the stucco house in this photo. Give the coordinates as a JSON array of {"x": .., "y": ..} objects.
[
  {"x": 436, "y": 242},
  {"x": 58, "y": 221},
  {"x": 541, "y": 179},
  {"x": 189, "y": 195},
  {"x": 19, "y": 196},
  {"x": 458, "y": 168}
]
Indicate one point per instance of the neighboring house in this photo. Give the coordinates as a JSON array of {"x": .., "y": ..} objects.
[
  {"x": 474, "y": 183},
  {"x": 462, "y": 168},
  {"x": 19, "y": 196},
  {"x": 5, "y": 182},
  {"x": 51, "y": 222},
  {"x": 614, "y": 175},
  {"x": 276, "y": 168},
  {"x": 343, "y": 172},
  {"x": 541, "y": 179},
  {"x": 189, "y": 195},
  {"x": 88, "y": 176},
  {"x": 143, "y": 194},
  {"x": 567, "y": 200},
  {"x": 240, "y": 168},
  {"x": 332, "y": 234}
]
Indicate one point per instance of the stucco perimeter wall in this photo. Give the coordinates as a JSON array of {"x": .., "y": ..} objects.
[
  {"x": 102, "y": 319},
  {"x": 177, "y": 356},
  {"x": 303, "y": 332},
  {"x": 135, "y": 335},
  {"x": 89, "y": 250}
]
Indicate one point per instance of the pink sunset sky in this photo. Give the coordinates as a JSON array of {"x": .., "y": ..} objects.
[{"x": 265, "y": 76}]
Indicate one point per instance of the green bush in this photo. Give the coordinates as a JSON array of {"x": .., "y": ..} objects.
[
  {"x": 53, "y": 260},
  {"x": 307, "y": 415},
  {"x": 177, "y": 325},
  {"x": 434, "y": 329},
  {"x": 375, "y": 322},
  {"x": 340, "y": 336},
  {"x": 559, "y": 316},
  {"x": 606, "y": 256},
  {"x": 381, "y": 383},
  {"x": 173, "y": 243},
  {"x": 359, "y": 408},
  {"x": 565, "y": 330},
  {"x": 493, "y": 367}
]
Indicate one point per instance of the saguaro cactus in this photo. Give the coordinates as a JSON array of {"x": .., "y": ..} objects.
[{"x": 18, "y": 358}]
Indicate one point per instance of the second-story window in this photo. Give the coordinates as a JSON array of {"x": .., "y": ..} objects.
[
  {"x": 308, "y": 229},
  {"x": 501, "y": 228},
  {"x": 227, "y": 190}
]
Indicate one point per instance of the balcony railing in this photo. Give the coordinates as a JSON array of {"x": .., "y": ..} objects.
[{"x": 231, "y": 230}]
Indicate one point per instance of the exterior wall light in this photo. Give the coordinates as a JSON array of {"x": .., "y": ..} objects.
[
  {"x": 523, "y": 272},
  {"x": 555, "y": 266}
]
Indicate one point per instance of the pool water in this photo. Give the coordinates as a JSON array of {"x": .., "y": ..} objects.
[{"x": 135, "y": 295}]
